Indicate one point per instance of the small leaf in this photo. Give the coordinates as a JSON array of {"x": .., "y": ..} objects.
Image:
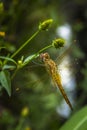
[
  {"x": 8, "y": 59},
  {"x": 2, "y": 48},
  {"x": 31, "y": 57},
  {"x": 10, "y": 67},
  {"x": 77, "y": 121},
  {"x": 5, "y": 81}
]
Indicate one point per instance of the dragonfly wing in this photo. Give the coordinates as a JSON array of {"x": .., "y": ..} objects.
[{"x": 60, "y": 58}]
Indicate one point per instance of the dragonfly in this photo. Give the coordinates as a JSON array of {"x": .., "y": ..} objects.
[{"x": 53, "y": 71}]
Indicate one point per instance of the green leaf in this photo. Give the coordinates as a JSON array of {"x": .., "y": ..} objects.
[
  {"x": 10, "y": 67},
  {"x": 8, "y": 59},
  {"x": 31, "y": 57},
  {"x": 77, "y": 121},
  {"x": 5, "y": 81},
  {"x": 2, "y": 48}
]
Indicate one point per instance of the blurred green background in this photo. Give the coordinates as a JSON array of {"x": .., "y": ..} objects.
[{"x": 35, "y": 105}]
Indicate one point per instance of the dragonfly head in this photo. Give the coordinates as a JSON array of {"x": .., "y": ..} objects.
[{"x": 44, "y": 56}]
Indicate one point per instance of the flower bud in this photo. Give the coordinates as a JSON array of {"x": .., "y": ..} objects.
[
  {"x": 20, "y": 62},
  {"x": 25, "y": 111},
  {"x": 45, "y": 25},
  {"x": 58, "y": 43},
  {"x": 27, "y": 128},
  {"x": 1, "y": 7}
]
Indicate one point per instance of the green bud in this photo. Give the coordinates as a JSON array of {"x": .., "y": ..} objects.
[
  {"x": 25, "y": 111},
  {"x": 45, "y": 25},
  {"x": 1, "y": 7},
  {"x": 19, "y": 62},
  {"x": 58, "y": 43}
]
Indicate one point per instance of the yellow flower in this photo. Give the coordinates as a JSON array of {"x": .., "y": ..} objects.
[
  {"x": 1, "y": 7},
  {"x": 2, "y": 34},
  {"x": 20, "y": 62},
  {"x": 27, "y": 128},
  {"x": 25, "y": 111}
]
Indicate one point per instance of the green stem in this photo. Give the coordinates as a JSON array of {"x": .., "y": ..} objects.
[
  {"x": 14, "y": 73},
  {"x": 44, "y": 49},
  {"x": 19, "y": 127},
  {"x": 25, "y": 44},
  {"x": 35, "y": 56}
]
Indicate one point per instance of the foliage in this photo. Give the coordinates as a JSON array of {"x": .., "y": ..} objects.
[
  {"x": 33, "y": 105},
  {"x": 77, "y": 121}
]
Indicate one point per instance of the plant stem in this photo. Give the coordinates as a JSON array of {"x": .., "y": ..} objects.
[
  {"x": 44, "y": 49},
  {"x": 14, "y": 73},
  {"x": 19, "y": 127},
  {"x": 37, "y": 53},
  {"x": 25, "y": 44},
  {"x": 35, "y": 56}
]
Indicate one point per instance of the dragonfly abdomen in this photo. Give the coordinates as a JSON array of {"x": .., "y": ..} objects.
[{"x": 56, "y": 77}]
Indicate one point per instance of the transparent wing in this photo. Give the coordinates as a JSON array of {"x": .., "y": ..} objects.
[{"x": 60, "y": 58}]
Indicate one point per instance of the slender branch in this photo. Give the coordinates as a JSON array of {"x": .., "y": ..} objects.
[
  {"x": 25, "y": 44},
  {"x": 14, "y": 74},
  {"x": 44, "y": 48},
  {"x": 35, "y": 56}
]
